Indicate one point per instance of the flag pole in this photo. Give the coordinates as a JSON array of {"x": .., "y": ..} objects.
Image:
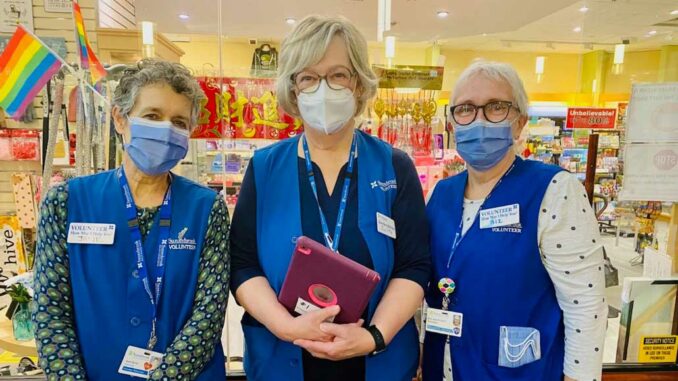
[{"x": 63, "y": 61}]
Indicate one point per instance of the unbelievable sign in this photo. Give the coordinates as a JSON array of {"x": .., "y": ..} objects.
[
  {"x": 410, "y": 77},
  {"x": 658, "y": 349},
  {"x": 591, "y": 118}
]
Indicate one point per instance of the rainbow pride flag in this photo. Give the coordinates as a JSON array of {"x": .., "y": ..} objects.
[
  {"x": 26, "y": 65},
  {"x": 88, "y": 60}
]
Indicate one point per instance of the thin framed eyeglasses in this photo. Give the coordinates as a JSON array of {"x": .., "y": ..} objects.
[
  {"x": 495, "y": 112},
  {"x": 337, "y": 78}
]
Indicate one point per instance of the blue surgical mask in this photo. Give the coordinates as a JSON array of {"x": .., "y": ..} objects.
[
  {"x": 483, "y": 144},
  {"x": 156, "y": 147}
]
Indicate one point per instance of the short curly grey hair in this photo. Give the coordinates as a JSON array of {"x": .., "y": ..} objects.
[
  {"x": 306, "y": 46},
  {"x": 152, "y": 71},
  {"x": 497, "y": 71}
]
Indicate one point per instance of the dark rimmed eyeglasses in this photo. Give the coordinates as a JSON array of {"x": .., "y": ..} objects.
[
  {"x": 495, "y": 112},
  {"x": 337, "y": 78}
]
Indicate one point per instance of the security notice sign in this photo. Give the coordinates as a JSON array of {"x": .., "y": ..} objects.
[
  {"x": 591, "y": 118},
  {"x": 658, "y": 349}
]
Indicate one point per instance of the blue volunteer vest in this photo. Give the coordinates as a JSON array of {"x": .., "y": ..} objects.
[
  {"x": 112, "y": 309},
  {"x": 278, "y": 226},
  {"x": 500, "y": 281}
]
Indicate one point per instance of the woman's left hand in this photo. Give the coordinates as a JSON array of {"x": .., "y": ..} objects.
[{"x": 350, "y": 340}]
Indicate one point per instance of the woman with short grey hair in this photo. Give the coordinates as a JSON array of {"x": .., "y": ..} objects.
[
  {"x": 132, "y": 265},
  {"x": 358, "y": 196},
  {"x": 517, "y": 260}
]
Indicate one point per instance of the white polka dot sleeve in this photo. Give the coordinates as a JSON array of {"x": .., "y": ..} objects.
[{"x": 573, "y": 256}]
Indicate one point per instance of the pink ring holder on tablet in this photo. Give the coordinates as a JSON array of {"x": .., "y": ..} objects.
[
  {"x": 322, "y": 296},
  {"x": 319, "y": 278}
]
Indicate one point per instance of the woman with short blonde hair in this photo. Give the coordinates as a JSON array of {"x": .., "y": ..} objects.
[{"x": 325, "y": 79}]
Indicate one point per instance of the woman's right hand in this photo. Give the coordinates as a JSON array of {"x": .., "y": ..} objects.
[{"x": 307, "y": 326}]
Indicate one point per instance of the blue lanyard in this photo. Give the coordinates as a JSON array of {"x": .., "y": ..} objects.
[
  {"x": 331, "y": 242},
  {"x": 458, "y": 237},
  {"x": 135, "y": 232}
]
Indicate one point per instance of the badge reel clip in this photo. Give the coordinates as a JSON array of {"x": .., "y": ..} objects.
[{"x": 447, "y": 287}]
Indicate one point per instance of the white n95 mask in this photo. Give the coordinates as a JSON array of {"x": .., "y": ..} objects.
[{"x": 326, "y": 109}]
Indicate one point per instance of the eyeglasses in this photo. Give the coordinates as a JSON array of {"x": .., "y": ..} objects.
[
  {"x": 337, "y": 78},
  {"x": 494, "y": 112}
]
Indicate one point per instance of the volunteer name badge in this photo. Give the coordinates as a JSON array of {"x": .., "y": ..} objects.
[
  {"x": 500, "y": 216},
  {"x": 386, "y": 226},
  {"x": 139, "y": 362},
  {"x": 89, "y": 233},
  {"x": 444, "y": 322}
]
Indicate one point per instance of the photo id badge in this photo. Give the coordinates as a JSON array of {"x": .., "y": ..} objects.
[
  {"x": 139, "y": 362},
  {"x": 444, "y": 322},
  {"x": 386, "y": 226},
  {"x": 500, "y": 216},
  {"x": 93, "y": 234}
]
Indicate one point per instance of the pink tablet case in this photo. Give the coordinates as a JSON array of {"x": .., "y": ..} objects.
[{"x": 324, "y": 278}]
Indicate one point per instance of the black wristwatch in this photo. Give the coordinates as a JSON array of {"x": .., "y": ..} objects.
[{"x": 378, "y": 339}]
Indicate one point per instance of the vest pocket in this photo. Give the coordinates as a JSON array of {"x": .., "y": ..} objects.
[{"x": 518, "y": 346}]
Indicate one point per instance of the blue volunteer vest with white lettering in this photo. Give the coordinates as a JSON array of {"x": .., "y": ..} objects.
[
  {"x": 111, "y": 307},
  {"x": 278, "y": 225},
  {"x": 500, "y": 280}
]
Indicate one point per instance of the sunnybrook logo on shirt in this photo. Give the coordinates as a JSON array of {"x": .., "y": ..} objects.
[
  {"x": 384, "y": 185},
  {"x": 181, "y": 243}
]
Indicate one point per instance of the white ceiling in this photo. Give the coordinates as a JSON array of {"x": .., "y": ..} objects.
[{"x": 515, "y": 25}]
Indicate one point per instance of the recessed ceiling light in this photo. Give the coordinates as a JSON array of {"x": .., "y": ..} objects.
[
  {"x": 443, "y": 14},
  {"x": 290, "y": 20},
  {"x": 674, "y": 12},
  {"x": 584, "y": 9},
  {"x": 652, "y": 32},
  {"x": 577, "y": 29},
  {"x": 183, "y": 16},
  {"x": 484, "y": 34}
]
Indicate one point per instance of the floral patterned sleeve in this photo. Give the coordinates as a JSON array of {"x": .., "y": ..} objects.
[
  {"x": 202, "y": 333},
  {"x": 57, "y": 343}
]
